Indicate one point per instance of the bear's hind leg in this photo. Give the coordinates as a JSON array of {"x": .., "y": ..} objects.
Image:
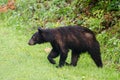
[
  {"x": 97, "y": 60},
  {"x": 96, "y": 56}
]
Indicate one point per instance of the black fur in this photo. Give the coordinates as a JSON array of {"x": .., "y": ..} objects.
[{"x": 78, "y": 39}]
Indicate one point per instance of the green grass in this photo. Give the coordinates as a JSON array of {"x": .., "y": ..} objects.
[{"x": 18, "y": 61}]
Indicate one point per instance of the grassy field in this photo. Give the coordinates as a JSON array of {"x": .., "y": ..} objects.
[{"x": 18, "y": 61}]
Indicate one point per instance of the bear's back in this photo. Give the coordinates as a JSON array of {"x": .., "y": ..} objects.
[
  {"x": 73, "y": 29},
  {"x": 74, "y": 36}
]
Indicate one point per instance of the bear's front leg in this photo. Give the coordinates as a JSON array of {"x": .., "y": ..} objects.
[
  {"x": 63, "y": 56},
  {"x": 74, "y": 58},
  {"x": 53, "y": 54}
]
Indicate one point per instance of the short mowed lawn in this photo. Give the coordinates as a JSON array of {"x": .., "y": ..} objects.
[{"x": 19, "y": 61}]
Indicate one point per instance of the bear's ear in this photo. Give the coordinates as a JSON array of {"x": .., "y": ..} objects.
[{"x": 40, "y": 30}]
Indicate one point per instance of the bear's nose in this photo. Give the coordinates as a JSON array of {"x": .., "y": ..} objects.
[{"x": 29, "y": 43}]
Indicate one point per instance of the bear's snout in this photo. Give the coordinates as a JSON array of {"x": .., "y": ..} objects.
[{"x": 31, "y": 42}]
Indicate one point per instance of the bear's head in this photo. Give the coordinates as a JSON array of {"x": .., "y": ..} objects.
[{"x": 37, "y": 37}]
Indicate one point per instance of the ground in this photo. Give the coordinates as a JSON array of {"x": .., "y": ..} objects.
[{"x": 18, "y": 61}]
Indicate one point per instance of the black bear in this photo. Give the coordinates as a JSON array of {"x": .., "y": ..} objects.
[{"x": 77, "y": 38}]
